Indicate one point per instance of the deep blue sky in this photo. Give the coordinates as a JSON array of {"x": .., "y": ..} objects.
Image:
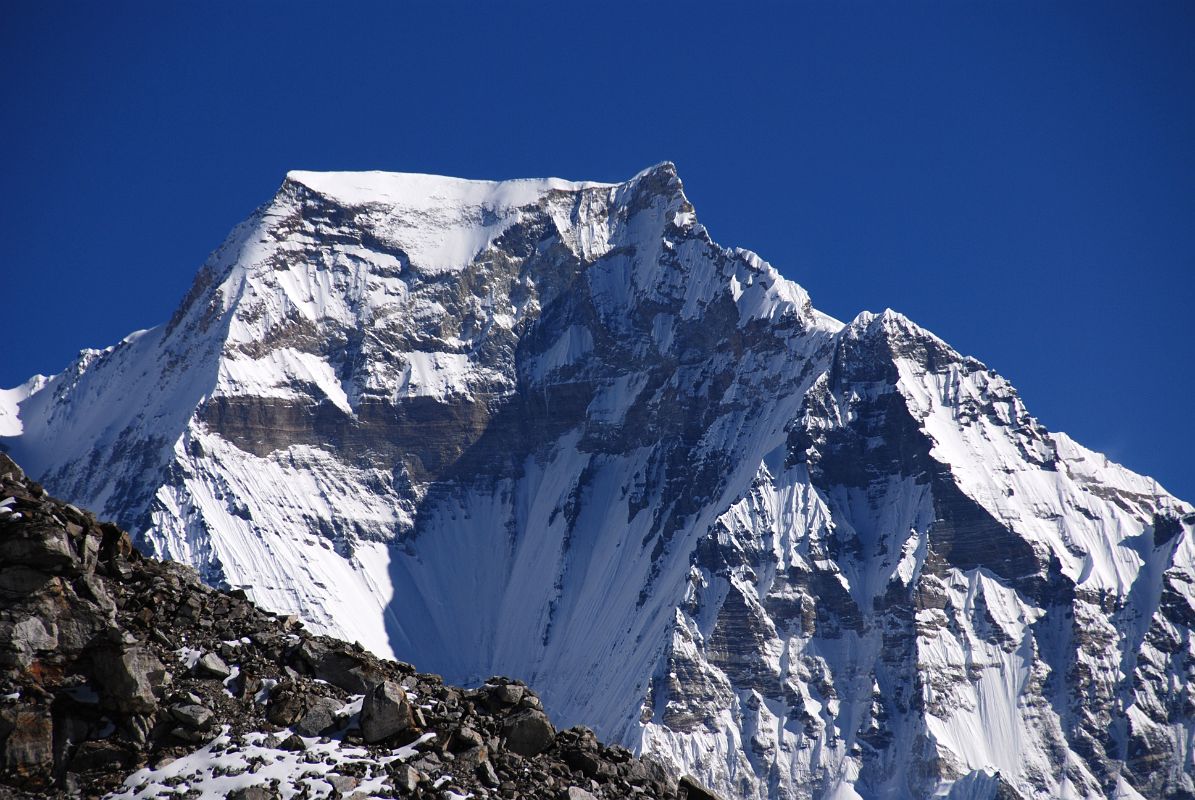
[{"x": 1017, "y": 177}]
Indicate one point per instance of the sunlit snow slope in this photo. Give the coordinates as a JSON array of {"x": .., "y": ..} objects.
[{"x": 553, "y": 430}]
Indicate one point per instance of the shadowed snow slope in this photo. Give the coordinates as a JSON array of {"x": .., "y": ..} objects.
[{"x": 551, "y": 429}]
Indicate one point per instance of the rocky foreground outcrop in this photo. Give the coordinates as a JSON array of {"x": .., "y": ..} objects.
[{"x": 125, "y": 676}]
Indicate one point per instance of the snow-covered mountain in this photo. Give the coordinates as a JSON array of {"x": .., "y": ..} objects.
[{"x": 552, "y": 430}]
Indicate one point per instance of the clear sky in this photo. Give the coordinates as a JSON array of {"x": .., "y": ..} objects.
[{"x": 1017, "y": 177}]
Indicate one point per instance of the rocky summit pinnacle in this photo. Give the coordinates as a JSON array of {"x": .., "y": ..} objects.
[{"x": 553, "y": 430}]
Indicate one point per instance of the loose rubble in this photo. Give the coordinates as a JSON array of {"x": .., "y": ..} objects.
[{"x": 125, "y": 677}]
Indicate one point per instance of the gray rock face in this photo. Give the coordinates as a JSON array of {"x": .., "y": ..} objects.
[
  {"x": 28, "y": 742},
  {"x": 529, "y": 733},
  {"x": 129, "y": 679},
  {"x": 31, "y": 635},
  {"x": 385, "y": 712},
  {"x": 17, "y": 581},
  {"x": 48, "y": 549}
]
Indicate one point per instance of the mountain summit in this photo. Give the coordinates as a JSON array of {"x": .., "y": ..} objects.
[{"x": 552, "y": 430}]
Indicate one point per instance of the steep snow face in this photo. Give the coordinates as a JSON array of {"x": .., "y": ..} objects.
[
  {"x": 553, "y": 430},
  {"x": 10, "y": 404}
]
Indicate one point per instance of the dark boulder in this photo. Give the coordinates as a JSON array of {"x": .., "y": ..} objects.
[
  {"x": 353, "y": 672},
  {"x": 689, "y": 789},
  {"x": 529, "y": 733},
  {"x": 385, "y": 712},
  {"x": 210, "y": 665},
  {"x": 193, "y": 716},
  {"x": 319, "y": 716}
]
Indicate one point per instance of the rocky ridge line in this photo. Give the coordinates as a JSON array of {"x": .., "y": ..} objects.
[{"x": 125, "y": 676}]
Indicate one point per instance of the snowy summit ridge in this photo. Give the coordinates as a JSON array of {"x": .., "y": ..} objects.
[{"x": 553, "y": 430}]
